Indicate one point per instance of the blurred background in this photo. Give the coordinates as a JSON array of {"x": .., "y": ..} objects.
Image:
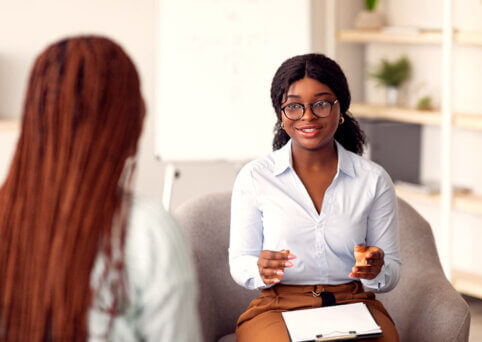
[{"x": 414, "y": 69}]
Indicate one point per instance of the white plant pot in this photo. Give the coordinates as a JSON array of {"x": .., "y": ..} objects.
[
  {"x": 391, "y": 96},
  {"x": 369, "y": 20}
]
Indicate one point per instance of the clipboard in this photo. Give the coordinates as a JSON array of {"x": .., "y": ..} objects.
[
  {"x": 352, "y": 336},
  {"x": 345, "y": 322}
]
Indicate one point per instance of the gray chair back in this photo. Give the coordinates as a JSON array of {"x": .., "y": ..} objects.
[
  {"x": 424, "y": 305},
  {"x": 206, "y": 223}
]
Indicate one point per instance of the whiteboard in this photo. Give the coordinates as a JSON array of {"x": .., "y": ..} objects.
[{"x": 216, "y": 62}]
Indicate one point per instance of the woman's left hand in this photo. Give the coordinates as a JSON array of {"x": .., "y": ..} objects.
[{"x": 370, "y": 264}]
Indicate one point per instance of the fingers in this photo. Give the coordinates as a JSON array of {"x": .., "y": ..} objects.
[
  {"x": 273, "y": 255},
  {"x": 361, "y": 247},
  {"x": 372, "y": 262},
  {"x": 369, "y": 261},
  {"x": 365, "y": 272},
  {"x": 271, "y": 265},
  {"x": 276, "y": 259},
  {"x": 269, "y": 281},
  {"x": 271, "y": 276},
  {"x": 375, "y": 253},
  {"x": 268, "y": 272},
  {"x": 360, "y": 275},
  {"x": 366, "y": 269},
  {"x": 266, "y": 263},
  {"x": 369, "y": 250},
  {"x": 371, "y": 255}
]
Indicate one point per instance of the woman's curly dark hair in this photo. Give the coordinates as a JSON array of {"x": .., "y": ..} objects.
[{"x": 326, "y": 71}]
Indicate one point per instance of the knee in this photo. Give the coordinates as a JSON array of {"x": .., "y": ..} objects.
[
  {"x": 389, "y": 330},
  {"x": 263, "y": 329}
]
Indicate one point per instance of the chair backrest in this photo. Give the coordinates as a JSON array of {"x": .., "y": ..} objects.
[
  {"x": 206, "y": 222},
  {"x": 424, "y": 306}
]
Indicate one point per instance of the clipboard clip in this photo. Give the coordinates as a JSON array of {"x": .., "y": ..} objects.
[{"x": 351, "y": 335}]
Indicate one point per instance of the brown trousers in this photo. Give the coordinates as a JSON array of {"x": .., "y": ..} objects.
[{"x": 263, "y": 322}]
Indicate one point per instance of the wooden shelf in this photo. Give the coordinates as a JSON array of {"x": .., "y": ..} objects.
[
  {"x": 378, "y": 36},
  {"x": 9, "y": 125},
  {"x": 467, "y": 283},
  {"x": 467, "y": 203},
  {"x": 369, "y": 111},
  {"x": 408, "y": 194},
  {"x": 423, "y": 37},
  {"x": 468, "y": 121},
  {"x": 470, "y": 203},
  {"x": 469, "y": 38},
  {"x": 423, "y": 117}
]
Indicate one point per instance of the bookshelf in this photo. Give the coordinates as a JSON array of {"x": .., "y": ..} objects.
[{"x": 359, "y": 48}]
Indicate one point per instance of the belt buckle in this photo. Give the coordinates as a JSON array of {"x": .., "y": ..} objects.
[{"x": 317, "y": 294}]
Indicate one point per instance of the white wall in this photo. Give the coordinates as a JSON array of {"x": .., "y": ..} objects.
[
  {"x": 134, "y": 25},
  {"x": 27, "y": 27},
  {"x": 217, "y": 61}
]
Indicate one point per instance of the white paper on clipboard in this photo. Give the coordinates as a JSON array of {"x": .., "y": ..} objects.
[{"x": 330, "y": 321}]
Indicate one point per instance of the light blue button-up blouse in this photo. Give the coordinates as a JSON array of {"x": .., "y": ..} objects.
[{"x": 272, "y": 210}]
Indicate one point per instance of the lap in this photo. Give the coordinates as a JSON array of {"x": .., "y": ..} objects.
[
  {"x": 269, "y": 326},
  {"x": 266, "y": 327},
  {"x": 263, "y": 322},
  {"x": 388, "y": 327}
]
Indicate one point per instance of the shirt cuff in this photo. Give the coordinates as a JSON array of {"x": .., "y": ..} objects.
[{"x": 377, "y": 283}]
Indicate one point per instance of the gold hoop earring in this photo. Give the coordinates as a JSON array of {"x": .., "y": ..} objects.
[
  {"x": 282, "y": 125},
  {"x": 342, "y": 120}
]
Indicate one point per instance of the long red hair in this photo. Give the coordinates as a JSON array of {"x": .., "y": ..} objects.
[{"x": 82, "y": 118}]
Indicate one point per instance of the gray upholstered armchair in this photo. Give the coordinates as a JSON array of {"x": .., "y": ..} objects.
[{"x": 424, "y": 305}]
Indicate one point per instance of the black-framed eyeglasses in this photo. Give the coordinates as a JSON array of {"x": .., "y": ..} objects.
[{"x": 295, "y": 111}]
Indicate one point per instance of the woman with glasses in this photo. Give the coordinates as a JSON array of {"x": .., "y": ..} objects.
[{"x": 313, "y": 223}]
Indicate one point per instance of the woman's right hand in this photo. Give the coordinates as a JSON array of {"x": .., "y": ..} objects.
[{"x": 271, "y": 265}]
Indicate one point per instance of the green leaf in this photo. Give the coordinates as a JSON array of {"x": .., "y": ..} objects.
[
  {"x": 392, "y": 73},
  {"x": 370, "y": 4},
  {"x": 425, "y": 103}
]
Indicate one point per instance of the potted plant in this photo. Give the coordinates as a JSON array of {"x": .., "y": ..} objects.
[
  {"x": 425, "y": 103},
  {"x": 392, "y": 75},
  {"x": 369, "y": 18}
]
